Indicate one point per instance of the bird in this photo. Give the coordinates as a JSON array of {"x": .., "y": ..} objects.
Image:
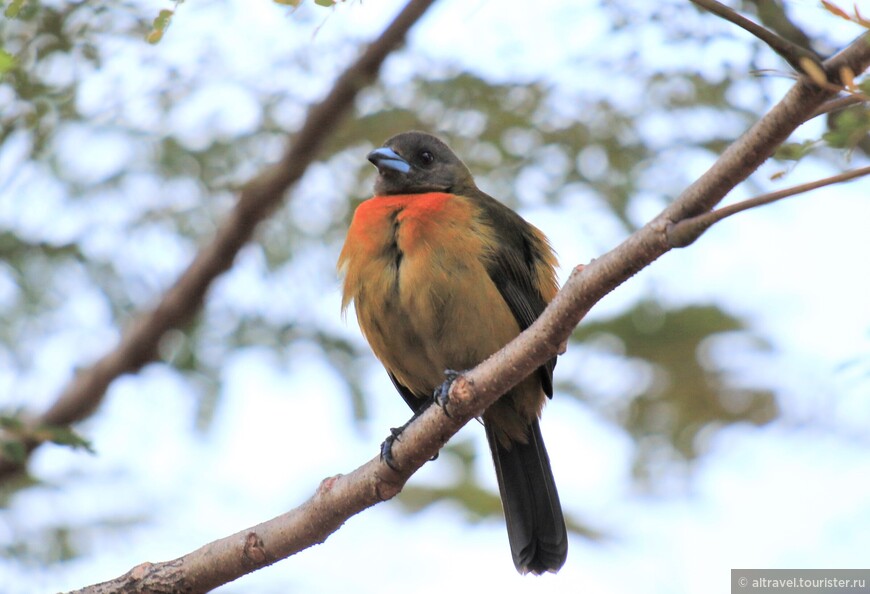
[{"x": 441, "y": 276}]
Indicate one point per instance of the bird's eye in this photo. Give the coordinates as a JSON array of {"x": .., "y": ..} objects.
[{"x": 426, "y": 158}]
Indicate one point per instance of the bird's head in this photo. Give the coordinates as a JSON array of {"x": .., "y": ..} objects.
[{"x": 416, "y": 163}]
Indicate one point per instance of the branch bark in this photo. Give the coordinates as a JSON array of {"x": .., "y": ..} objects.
[
  {"x": 340, "y": 497},
  {"x": 259, "y": 198}
]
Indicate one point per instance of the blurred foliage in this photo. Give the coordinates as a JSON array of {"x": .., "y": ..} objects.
[
  {"x": 160, "y": 25},
  {"x": 685, "y": 394},
  {"x": 528, "y": 142},
  {"x": 13, "y": 9},
  {"x": 475, "y": 501},
  {"x": 56, "y": 544},
  {"x": 849, "y": 128},
  {"x": 17, "y": 435}
]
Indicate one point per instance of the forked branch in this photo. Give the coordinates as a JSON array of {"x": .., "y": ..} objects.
[{"x": 687, "y": 231}]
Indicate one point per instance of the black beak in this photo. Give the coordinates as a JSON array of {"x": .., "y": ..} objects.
[{"x": 386, "y": 158}]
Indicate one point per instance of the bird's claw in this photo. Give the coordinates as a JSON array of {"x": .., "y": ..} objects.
[
  {"x": 442, "y": 392},
  {"x": 387, "y": 448}
]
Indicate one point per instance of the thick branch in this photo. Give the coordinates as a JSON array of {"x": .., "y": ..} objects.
[
  {"x": 337, "y": 499},
  {"x": 259, "y": 198},
  {"x": 340, "y": 497}
]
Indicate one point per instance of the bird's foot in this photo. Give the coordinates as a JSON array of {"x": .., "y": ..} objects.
[
  {"x": 442, "y": 392},
  {"x": 387, "y": 447},
  {"x": 393, "y": 437}
]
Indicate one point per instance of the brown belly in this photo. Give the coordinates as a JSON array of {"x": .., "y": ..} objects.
[{"x": 426, "y": 303}]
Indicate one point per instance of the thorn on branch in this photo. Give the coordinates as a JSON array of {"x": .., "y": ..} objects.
[
  {"x": 141, "y": 571},
  {"x": 459, "y": 392},
  {"x": 327, "y": 484},
  {"x": 255, "y": 549}
]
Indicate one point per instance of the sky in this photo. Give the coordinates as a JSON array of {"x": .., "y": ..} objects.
[{"x": 792, "y": 494}]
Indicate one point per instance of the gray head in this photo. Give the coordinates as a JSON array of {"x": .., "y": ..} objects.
[{"x": 417, "y": 162}]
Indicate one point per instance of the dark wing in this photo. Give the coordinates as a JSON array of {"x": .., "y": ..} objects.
[
  {"x": 415, "y": 402},
  {"x": 512, "y": 268}
]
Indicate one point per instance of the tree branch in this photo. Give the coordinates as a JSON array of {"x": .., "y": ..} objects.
[
  {"x": 259, "y": 198},
  {"x": 340, "y": 497},
  {"x": 837, "y": 104},
  {"x": 790, "y": 52},
  {"x": 687, "y": 231},
  {"x": 773, "y": 15}
]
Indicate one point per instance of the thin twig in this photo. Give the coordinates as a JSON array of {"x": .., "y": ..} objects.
[
  {"x": 837, "y": 104},
  {"x": 774, "y": 17},
  {"x": 685, "y": 232},
  {"x": 790, "y": 52}
]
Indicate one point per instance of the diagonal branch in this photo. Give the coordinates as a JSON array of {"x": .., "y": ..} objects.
[
  {"x": 259, "y": 198},
  {"x": 343, "y": 496},
  {"x": 773, "y": 15},
  {"x": 790, "y": 51}
]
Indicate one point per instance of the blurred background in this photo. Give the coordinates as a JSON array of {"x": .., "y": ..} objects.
[{"x": 710, "y": 414}]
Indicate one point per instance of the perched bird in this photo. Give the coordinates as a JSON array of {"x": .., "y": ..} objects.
[{"x": 442, "y": 276}]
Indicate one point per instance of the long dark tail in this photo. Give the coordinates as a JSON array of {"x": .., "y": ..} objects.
[{"x": 532, "y": 512}]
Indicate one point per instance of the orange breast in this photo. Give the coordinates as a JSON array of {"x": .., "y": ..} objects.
[{"x": 412, "y": 216}]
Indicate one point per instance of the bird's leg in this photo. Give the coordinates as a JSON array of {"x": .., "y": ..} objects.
[
  {"x": 441, "y": 397},
  {"x": 395, "y": 432}
]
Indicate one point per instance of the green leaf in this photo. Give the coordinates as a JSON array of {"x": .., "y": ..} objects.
[
  {"x": 162, "y": 20},
  {"x": 7, "y": 62},
  {"x": 159, "y": 26},
  {"x": 325, "y": 2},
  {"x": 14, "y": 8},
  {"x": 10, "y": 423},
  {"x": 293, "y": 3},
  {"x": 794, "y": 151},
  {"x": 64, "y": 436},
  {"x": 13, "y": 450},
  {"x": 849, "y": 128}
]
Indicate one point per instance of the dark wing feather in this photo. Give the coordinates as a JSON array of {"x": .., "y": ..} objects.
[
  {"x": 415, "y": 402},
  {"x": 512, "y": 268},
  {"x": 526, "y": 310}
]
